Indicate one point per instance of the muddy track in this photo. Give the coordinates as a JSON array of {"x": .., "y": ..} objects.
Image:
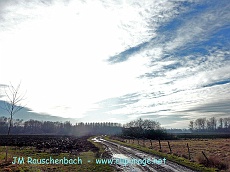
[{"x": 118, "y": 151}]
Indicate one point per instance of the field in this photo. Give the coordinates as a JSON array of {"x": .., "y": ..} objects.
[
  {"x": 216, "y": 150},
  {"x": 56, "y": 147}
]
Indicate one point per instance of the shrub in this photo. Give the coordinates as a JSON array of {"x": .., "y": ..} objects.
[{"x": 213, "y": 161}]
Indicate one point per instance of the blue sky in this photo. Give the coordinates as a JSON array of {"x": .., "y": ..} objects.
[{"x": 119, "y": 60}]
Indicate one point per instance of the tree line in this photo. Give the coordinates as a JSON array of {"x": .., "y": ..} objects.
[
  {"x": 139, "y": 128},
  {"x": 145, "y": 129},
  {"x": 58, "y": 128},
  {"x": 212, "y": 124}
]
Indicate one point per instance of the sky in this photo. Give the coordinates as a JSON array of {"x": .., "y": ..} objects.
[{"x": 118, "y": 60}]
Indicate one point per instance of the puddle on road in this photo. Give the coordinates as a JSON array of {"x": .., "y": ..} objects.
[
  {"x": 122, "y": 167},
  {"x": 96, "y": 139},
  {"x": 125, "y": 167},
  {"x": 120, "y": 156}
]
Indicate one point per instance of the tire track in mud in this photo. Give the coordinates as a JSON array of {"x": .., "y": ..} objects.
[{"x": 125, "y": 152}]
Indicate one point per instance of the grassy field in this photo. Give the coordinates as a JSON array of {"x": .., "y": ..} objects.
[
  {"x": 180, "y": 152},
  {"x": 216, "y": 150},
  {"x": 87, "y": 157}
]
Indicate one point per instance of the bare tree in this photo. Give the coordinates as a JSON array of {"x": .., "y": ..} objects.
[
  {"x": 200, "y": 124},
  {"x": 209, "y": 125},
  {"x": 213, "y": 122},
  {"x": 226, "y": 122},
  {"x": 191, "y": 125},
  {"x": 12, "y": 105},
  {"x": 221, "y": 121},
  {"x": 146, "y": 124}
]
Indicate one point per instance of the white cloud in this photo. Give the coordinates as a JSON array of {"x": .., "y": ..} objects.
[
  {"x": 181, "y": 91},
  {"x": 59, "y": 51},
  {"x": 201, "y": 26}
]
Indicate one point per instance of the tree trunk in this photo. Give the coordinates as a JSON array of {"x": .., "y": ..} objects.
[{"x": 8, "y": 133}]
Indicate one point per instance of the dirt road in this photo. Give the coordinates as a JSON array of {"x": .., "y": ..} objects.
[{"x": 132, "y": 160}]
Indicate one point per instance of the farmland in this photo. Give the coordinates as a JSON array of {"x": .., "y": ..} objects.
[
  {"x": 216, "y": 150},
  {"x": 46, "y": 147}
]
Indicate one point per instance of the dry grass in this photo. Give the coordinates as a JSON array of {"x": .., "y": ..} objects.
[{"x": 217, "y": 150}]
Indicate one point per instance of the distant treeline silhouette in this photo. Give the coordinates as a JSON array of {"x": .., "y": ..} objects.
[
  {"x": 135, "y": 129},
  {"x": 59, "y": 128},
  {"x": 139, "y": 128},
  {"x": 210, "y": 125},
  {"x": 145, "y": 129}
]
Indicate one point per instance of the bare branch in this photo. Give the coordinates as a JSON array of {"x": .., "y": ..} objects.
[
  {"x": 13, "y": 105},
  {"x": 8, "y": 96},
  {"x": 7, "y": 106},
  {"x": 17, "y": 109},
  {"x": 4, "y": 109}
]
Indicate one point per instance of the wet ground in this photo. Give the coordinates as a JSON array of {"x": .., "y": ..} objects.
[{"x": 132, "y": 160}]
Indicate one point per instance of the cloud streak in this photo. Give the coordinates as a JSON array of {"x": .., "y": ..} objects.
[{"x": 164, "y": 60}]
